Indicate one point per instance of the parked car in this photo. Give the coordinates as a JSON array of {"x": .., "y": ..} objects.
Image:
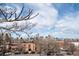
[
  {"x": 8, "y": 53},
  {"x": 1, "y": 53},
  {"x": 17, "y": 52}
]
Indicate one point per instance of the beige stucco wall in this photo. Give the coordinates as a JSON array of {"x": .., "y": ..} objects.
[{"x": 27, "y": 47}]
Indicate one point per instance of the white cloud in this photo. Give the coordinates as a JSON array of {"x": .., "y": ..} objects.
[
  {"x": 47, "y": 16},
  {"x": 10, "y": 24},
  {"x": 69, "y": 25}
]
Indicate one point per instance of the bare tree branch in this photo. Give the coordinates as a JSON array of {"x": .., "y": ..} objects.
[
  {"x": 11, "y": 14},
  {"x": 20, "y": 13},
  {"x": 8, "y": 17},
  {"x": 3, "y": 13}
]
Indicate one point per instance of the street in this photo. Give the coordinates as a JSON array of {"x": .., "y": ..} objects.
[{"x": 25, "y": 55}]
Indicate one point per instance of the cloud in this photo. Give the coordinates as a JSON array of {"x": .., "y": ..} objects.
[
  {"x": 11, "y": 7},
  {"x": 47, "y": 16},
  {"x": 68, "y": 25}
]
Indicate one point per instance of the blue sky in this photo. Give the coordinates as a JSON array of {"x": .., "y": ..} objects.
[{"x": 57, "y": 19}]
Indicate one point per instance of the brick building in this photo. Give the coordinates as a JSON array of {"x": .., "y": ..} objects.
[{"x": 27, "y": 47}]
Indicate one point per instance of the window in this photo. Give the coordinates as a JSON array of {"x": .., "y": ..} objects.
[
  {"x": 29, "y": 49},
  {"x": 29, "y": 46}
]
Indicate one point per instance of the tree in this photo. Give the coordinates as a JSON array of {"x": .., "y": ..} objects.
[
  {"x": 11, "y": 16},
  {"x": 48, "y": 46},
  {"x": 72, "y": 48},
  {"x": 7, "y": 37},
  {"x": 69, "y": 47},
  {"x": 52, "y": 47},
  {"x": 1, "y": 38},
  {"x": 5, "y": 43}
]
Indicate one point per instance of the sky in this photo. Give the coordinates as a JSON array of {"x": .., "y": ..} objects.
[{"x": 57, "y": 19}]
